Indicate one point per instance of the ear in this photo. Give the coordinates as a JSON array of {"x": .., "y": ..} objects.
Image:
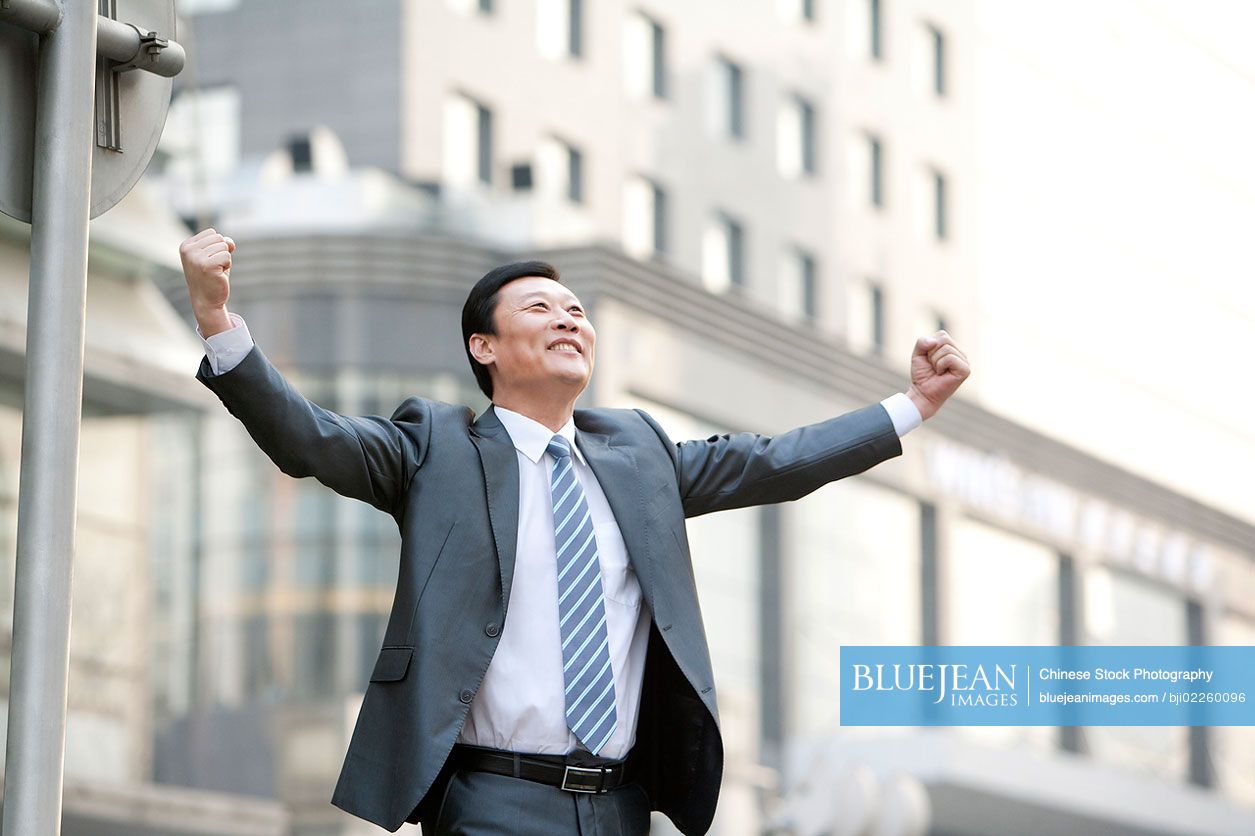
[{"x": 482, "y": 349}]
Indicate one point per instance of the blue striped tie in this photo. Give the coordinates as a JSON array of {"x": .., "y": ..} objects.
[{"x": 590, "y": 711}]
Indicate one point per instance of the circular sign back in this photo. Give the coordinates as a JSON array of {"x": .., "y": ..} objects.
[{"x": 143, "y": 99}]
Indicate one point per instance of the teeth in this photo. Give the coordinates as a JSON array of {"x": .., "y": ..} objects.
[{"x": 565, "y": 347}]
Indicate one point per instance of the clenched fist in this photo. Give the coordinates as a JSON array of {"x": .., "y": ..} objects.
[
  {"x": 938, "y": 368},
  {"x": 206, "y": 258}
]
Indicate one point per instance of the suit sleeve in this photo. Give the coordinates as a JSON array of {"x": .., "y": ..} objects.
[
  {"x": 370, "y": 458},
  {"x": 737, "y": 470}
]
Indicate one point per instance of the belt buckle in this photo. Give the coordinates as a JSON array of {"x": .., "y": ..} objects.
[{"x": 579, "y": 773}]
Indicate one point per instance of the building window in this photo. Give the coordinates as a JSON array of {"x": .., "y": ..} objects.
[
  {"x": 938, "y": 60},
  {"x": 1123, "y": 609},
  {"x": 483, "y": 7},
  {"x": 940, "y": 226},
  {"x": 866, "y": 327},
  {"x": 483, "y": 144},
  {"x": 560, "y": 28},
  {"x": 202, "y": 132},
  {"x": 796, "y": 11},
  {"x": 876, "y": 294},
  {"x": 723, "y": 253},
  {"x": 795, "y": 137},
  {"x": 467, "y": 142},
  {"x": 521, "y": 177},
  {"x": 644, "y": 218},
  {"x": 561, "y": 170},
  {"x": 797, "y": 284},
  {"x": 874, "y": 21},
  {"x": 876, "y": 166},
  {"x": 845, "y": 538},
  {"x": 728, "y": 99},
  {"x": 999, "y": 588},
  {"x": 575, "y": 175},
  {"x": 644, "y": 57}
]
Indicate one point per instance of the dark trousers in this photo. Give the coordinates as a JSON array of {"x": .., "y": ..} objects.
[{"x": 486, "y": 804}]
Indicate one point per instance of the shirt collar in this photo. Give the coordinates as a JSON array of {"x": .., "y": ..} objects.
[{"x": 531, "y": 438}]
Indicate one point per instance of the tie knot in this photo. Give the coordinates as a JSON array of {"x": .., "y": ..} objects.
[{"x": 558, "y": 447}]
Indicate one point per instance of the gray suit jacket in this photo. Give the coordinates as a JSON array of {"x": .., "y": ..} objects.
[{"x": 451, "y": 482}]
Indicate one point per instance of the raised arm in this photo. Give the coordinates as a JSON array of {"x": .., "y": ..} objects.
[
  {"x": 737, "y": 470},
  {"x": 371, "y": 458}
]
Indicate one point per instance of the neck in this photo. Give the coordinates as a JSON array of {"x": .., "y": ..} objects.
[{"x": 553, "y": 412}]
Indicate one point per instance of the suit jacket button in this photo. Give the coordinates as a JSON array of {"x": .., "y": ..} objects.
[
  {"x": 492, "y": 629},
  {"x": 466, "y": 696}
]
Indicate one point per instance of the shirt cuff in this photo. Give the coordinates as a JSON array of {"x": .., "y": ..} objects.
[
  {"x": 226, "y": 349},
  {"x": 902, "y": 412}
]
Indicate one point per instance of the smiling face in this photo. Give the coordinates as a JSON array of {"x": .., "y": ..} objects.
[{"x": 544, "y": 341}]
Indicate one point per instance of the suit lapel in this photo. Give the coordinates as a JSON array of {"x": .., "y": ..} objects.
[
  {"x": 620, "y": 481},
  {"x": 500, "y": 464},
  {"x": 614, "y": 468}
]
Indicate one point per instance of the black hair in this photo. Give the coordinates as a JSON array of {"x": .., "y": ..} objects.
[{"x": 481, "y": 306}]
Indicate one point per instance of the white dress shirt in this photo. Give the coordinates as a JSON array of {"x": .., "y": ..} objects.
[{"x": 520, "y": 706}]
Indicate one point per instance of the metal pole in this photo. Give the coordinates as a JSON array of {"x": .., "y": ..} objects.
[
  {"x": 38, "y": 16},
  {"x": 47, "y": 495}
]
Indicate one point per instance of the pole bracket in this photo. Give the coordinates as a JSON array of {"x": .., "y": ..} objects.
[{"x": 147, "y": 57}]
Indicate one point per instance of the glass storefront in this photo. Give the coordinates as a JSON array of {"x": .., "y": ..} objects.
[
  {"x": 1000, "y": 588},
  {"x": 852, "y": 577},
  {"x": 1233, "y": 747},
  {"x": 1122, "y": 609},
  {"x": 298, "y": 580}
]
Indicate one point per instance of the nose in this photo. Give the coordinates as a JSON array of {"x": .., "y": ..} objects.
[{"x": 566, "y": 322}]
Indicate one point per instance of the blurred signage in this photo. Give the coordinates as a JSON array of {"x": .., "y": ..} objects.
[{"x": 1033, "y": 504}]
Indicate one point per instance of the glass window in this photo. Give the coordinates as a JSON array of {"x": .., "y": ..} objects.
[
  {"x": 1122, "y": 609},
  {"x": 795, "y": 137},
  {"x": 796, "y": 11},
  {"x": 999, "y": 588},
  {"x": 866, "y": 328},
  {"x": 938, "y": 42},
  {"x": 797, "y": 284},
  {"x": 560, "y": 28},
  {"x": 727, "y": 99},
  {"x": 940, "y": 226},
  {"x": 202, "y": 133},
  {"x": 723, "y": 253},
  {"x": 1003, "y": 589},
  {"x": 874, "y": 25},
  {"x": 644, "y": 218},
  {"x": 852, "y": 576},
  {"x": 644, "y": 57},
  {"x": 561, "y": 170},
  {"x": 314, "y": 668},
  {"x": 467, "y": 142},
  {"x": 1233, "y": 747},
  {"x": 876, "y": 170}
]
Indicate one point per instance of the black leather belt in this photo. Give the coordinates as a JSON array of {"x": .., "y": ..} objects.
[{"x": 554, "y": 770}]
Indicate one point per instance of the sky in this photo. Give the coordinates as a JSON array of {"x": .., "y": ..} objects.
[{"x": 1116, "y": 216}]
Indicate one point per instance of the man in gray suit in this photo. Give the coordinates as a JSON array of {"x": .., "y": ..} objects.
[{"x": 544, "y": 669}]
